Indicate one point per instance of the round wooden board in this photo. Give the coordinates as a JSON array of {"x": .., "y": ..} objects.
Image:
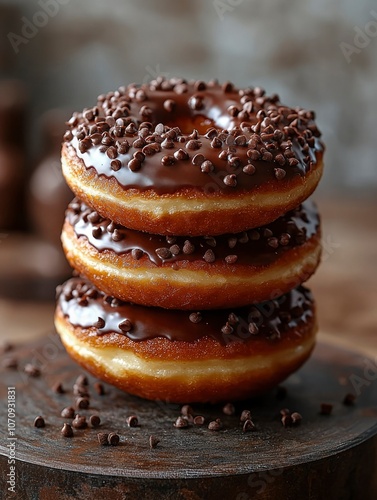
[{"x": 332, "y": 456}]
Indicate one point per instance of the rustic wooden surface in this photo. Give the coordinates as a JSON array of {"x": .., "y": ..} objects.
[{"x": 331, "y": 456}]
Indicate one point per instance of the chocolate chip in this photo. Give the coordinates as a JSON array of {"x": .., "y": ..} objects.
[
  {"x": 67, "y": 431},
  {"x": 273, "y": 242},
  {"x": 102, "y": 438},
  {"x": 39, "y": 422},
  {"x": 79, "y": 422},
  {"x": 199, "y": 420},
  {"x": 245, "y": 415},
  {"x": 215, "y": 425},
  {"x": 249, "y": 169},
  {"x": 230, "y": 180},
  {"x": 198, "y": 159},
  {"x": 58, "y": 388},
  {"x": 209, "y": 256},
  {"x": 188, "y": 247},
  {"x": 186, "y": 410},
  {"x": 181, "y": 154},
  {"x": 32, "y": 370},
  {"x": 100, "y": 323},
  {"x": 280, "y": 159},
  {"x": 132, "y": 421},
  {"x": 349, "y": 399},
  {"x": 134, "y": 165},
  {"x": 206, "y": 166},
  {"x": 195, "y": 317},
  {"x": 279, "y": 173},
  {"x": 193, "y": 144},
  {"x": 286, "y": 420},
  {"x": 284, "y": 239},
  {"x": 181, "y": 423},
  {"x": 227, "y": 87},
  {"x": 216, "y": 143},
  {"x": 229, "y": 409},
  {"x": 115, "y": 165},
  {"x": 82, "y": 403},
  {"x": 97, "y": 232},
  {"x": 163, "y": 253},
  {"x": 125, "y": 326},
  {"x": 68, "y": 412},
  {"x": 231, "y": 259},
  {"x": 169, "y": 105},
  {"x": 113, "y": 439},
  {"x": 153, "y": 442},
  {"x": 136, "y": 253},
  {"x": 326, "y": 409},
  {"x": 296, "y": 418},
  {"x": 248, "y": 426},
  {"x": 254, "y": 235},
  {"x": 232, "y": 242}
]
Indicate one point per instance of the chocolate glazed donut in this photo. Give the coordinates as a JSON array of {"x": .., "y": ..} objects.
[
  {"x": 196, "y": 356},
  {"x": 178, "y": 272},
  {"x": 190, "y": 158}
]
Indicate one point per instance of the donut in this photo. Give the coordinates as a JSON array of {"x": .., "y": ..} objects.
[
  {"x": 178, "y": 272},
  {"x": 189, "y": 158},
  {"x": 181, "y": 356}
]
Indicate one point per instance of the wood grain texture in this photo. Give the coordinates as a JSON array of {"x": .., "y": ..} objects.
[{"x": 325, "y": 457}]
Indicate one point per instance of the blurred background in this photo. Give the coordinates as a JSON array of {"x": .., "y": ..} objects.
[{"x": 56, "y": 56}]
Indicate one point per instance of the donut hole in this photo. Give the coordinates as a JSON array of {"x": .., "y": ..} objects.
[{"x": 188, "y": 123}]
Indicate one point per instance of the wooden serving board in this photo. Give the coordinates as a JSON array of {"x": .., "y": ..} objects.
[{"x": 332, "y": 456}]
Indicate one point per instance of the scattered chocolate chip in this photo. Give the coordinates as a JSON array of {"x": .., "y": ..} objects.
[
  {"x": 186, "y": 410},
  {"x": 245, "y": 415},
  {"x": 68, "y": 412},
  {"x": 181, "y": 423},
  {"x": 134, "y": 165},
  {"x": 286, "y": 420},
  {"x": 102, "y": 438},
  {"x": 248, "y": 426},
  {"x": 79, "y": 422},
  {"x": 229, "y": 409},
  {"x": 167, "y": 160},
  {"x": 195, "y": 317},
  {"x": 39, "y": 422},
  {"x": 215, "y": 425},
  {"x": 227, "y": 329},
  {"x": 253, "y": 329},
  {"x": 349, "y": 399},
  {"x": 231, "y": 259},
  {"x": 153, "y": 442},
  {"x": 175, "y": 250},
  {"x": 82, "y": 403},
  {"x": 58, "y": 388},
  {"x": 136, "y": 253},
  {"x": 206, "y": 166},
  {"x": 198, "y": 159},
  {"x": 216, "y": 143},
  {"x": 296, "y": 418},
  {"x": 80, "y": 390},
  {"x": 132, "y": 421},
  {"x": 169, "y": 105},
  {"x": 199, "y": 420},
  {"x": 273, "y": 242},
  {"x": 113, "y": 439},
  {"x": 67, "y": 430},
  {"x": 32, "y": 370},
  {"x": 97, "y": 232}
]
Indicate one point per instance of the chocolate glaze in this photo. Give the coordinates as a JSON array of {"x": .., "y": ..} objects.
[
  {"x": 83, "y": 305},
  {"x": 257, "y": 247},
  {"x": 249, "y": 127}
]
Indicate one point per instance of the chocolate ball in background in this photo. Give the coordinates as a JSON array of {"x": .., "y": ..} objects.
[{"x": 48, "y": 194}]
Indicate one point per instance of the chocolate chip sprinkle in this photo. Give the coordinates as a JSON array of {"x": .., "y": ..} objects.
[
  {"x": 245, "y": 415},
  {"x": 68, "y": 412},
  {"x": 125, "y": 326},
  {"x": 39, "y": 422},
  {"x": 113, "y": 439},
  {"x": 67, "y": 430},
  {"x": 215, "y": 425},
  {"x": 248, "y": 426},
  {"x": 199, "y": 420},
  {"x": 132, "y": 421},
  {"x": 181, "y": 423},
  {"x": 229, "y": 409},
  {"x": 209, "y": 256},
  {"x": 153, "y": 442},
  {"x": 100, "y": 323},
  {"x": 195, "y": 317},
  {"x": 102, "y": 438},
  {"x": 79, "y": 422},
  {"x": 230, "y": 180}
]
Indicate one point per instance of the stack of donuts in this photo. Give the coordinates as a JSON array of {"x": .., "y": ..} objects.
[{"x": 190, "y": 237}]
